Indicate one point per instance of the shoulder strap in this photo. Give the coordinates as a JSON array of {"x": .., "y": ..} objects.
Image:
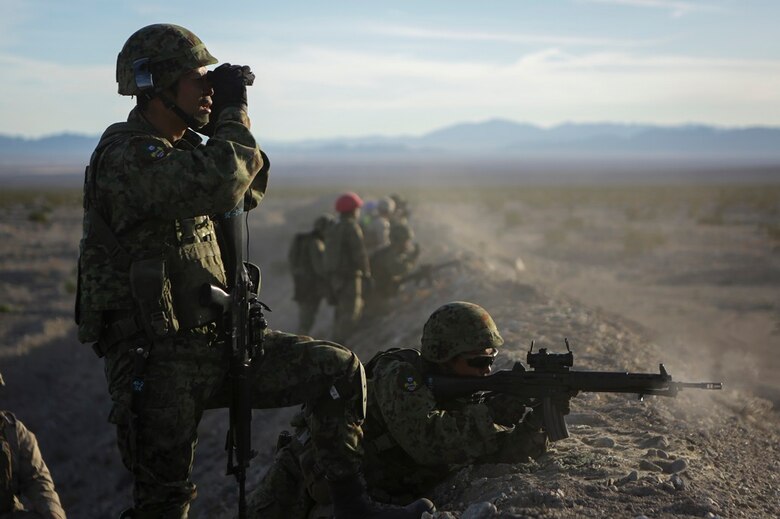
[{"x": 409, "y": 355}]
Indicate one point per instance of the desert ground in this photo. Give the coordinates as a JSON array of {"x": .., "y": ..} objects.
[{"x": 633, "y": 276}]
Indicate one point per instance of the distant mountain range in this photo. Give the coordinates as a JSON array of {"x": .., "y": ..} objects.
[{"x": 495, "y": 137}]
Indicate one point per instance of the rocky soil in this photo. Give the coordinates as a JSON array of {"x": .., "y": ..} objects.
[{"x": 699, "y": 297}]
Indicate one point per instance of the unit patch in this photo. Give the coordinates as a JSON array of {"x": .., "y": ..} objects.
[
  {"x": 411, "y": 384},
  {"x": 155, "y": 152}
]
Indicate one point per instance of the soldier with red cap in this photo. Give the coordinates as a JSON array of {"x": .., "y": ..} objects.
[{"x": 346, "y": 263}]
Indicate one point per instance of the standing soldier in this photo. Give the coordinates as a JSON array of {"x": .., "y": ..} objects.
[
  {"x": 307, "y": 265},
  {"x": 23, "y": 473},
  {"x": 150, "y": 244},
  {"x": 346, "y": 263}
]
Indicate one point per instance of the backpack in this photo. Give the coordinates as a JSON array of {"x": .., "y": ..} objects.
[{"x": 298, "y": 257}]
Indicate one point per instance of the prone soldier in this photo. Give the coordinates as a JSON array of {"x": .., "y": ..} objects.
[{"x": 413, "y": 440}]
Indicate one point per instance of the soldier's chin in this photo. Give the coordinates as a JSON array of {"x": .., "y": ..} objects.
[{"x": 201, "y": 120}]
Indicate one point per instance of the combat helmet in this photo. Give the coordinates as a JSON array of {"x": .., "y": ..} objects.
[
  {"x": 155, "y": 56},
  {"x": 386, "y": 205},
  {"x": 323, "y": 223},
  {"x": 455, "y": 328}
]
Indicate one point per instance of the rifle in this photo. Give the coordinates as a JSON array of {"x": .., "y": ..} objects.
[
  {"x": 552, "y": 382},
  {"x": 244, "y": 328},
  {"x": 426, "y": 271}
]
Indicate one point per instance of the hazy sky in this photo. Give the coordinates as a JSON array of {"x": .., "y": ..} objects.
[{"x": 360, "y": 67}]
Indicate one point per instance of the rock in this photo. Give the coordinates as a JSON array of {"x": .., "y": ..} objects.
[
  {"x": 439, "y": 515},
  {"x": 633, "y": 476},
  {"x": 650, "y": 466},
  {"x": 585, "y": 419},
  {"x": 482, "y": 510},
  {"x": 677, "y": 482},
  {"x": 662, "y": 454},
  {"x": 658, "y": 442},
  {"x": 677, "y": 465},
  {"x": 651, "y": 453},
  {"x": 641, "y": 517},
  {"x": 604, "y": 442}
]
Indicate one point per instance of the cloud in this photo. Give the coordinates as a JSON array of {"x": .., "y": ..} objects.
[
  {"x": 15, "y": 14},
  {"x": 472, "y": 36},
  {"x": 49, "y": 96},
  {"x": 317, "y": 91},
  {"x": 676, "y": 9},
  {"x": 320, "y": 92}
]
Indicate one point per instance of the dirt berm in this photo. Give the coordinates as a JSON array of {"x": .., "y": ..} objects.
[{"x": 702, "y": 454}]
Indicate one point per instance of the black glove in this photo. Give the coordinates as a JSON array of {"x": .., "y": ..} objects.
[{"x": 229, "y": 83}]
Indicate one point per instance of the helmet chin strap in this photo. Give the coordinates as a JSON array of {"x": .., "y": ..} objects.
[{"x": 190, "y": 121}]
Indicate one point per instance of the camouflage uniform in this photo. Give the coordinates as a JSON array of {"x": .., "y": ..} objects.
[
  {"x": 391, "y": 263},
  {"x": 156, "y": 197},
  {"x": 309, "y": 278},
  {"x": 346, "y": 262},
  {"x": 24, "y": 473},
  {"x": 412, "y": 441}
]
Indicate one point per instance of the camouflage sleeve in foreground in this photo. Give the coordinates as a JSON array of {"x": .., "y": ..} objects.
[
  {"x": 429, "y": 434},
  {"x": 169, "y": 182},
  {"x": 35, "y": 482}
]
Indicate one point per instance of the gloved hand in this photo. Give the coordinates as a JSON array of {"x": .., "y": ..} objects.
[
  {"x": 506, "y": 409},
  {"x": 229, "y": 83}
]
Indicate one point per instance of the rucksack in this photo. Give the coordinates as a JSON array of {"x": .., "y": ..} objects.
[{"x": 298, "y": 255}]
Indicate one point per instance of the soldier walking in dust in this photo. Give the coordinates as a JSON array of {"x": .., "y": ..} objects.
[
  {"x": 23, "y": 474},
  {"x": 413, "y": 441},
  {"x": 307, "y": 265},
  {"x": 346, "y": 263},
  {"x": 150, "y": 244}
]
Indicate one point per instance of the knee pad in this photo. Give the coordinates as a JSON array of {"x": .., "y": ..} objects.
[{"x": 348, "y": 391}]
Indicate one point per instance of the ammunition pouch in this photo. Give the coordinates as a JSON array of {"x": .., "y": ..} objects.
[
  {"x": 192, "y": 266},
  {"x": 150, "y": 286}
]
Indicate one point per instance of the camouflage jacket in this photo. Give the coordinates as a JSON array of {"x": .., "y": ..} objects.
[
  {"x": 413, "y": 441},
  {"x": 345, "y": 252},
  {"x": 156, "y": 197},
  {"x": 388, "y": 266},
  {"x": 23, "y": 473},
  {"x": 376, "y": 233}
]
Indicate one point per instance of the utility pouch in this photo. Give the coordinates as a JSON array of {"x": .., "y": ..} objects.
[
  {"x": 151, "y": 289},
  {"x": 193, "y": 265}
]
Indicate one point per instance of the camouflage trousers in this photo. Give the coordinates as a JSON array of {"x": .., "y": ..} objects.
[
  {"x": 188, "y": 374},
  {"x": 349, "y": 307}
]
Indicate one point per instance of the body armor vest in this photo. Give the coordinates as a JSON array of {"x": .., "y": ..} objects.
[{"x": 160, "y": 279}]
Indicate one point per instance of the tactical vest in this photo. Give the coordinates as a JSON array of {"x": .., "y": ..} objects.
[
  {"x": 9, "y": 445},
  {"x": 157, "y": 282},
  {"x": 392, "y": 475}
]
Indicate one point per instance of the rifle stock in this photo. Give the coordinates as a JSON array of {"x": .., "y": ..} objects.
[{"x": 552, "y": 383}]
